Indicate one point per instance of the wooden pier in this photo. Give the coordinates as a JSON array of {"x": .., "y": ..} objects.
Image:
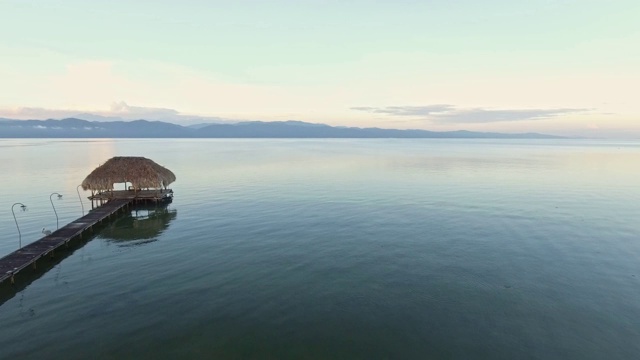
[
  {"x": 136, "y": 196},
  {"x": 28, "y": 255},
  {"x": 148, "y": 181}
]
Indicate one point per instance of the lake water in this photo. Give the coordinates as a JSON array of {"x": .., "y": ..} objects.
[{"x": 335, "y": 249}]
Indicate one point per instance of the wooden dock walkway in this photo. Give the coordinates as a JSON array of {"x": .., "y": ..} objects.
[
  {"x": 158, "y": 195},
  {"x": 28, "y": 255}
]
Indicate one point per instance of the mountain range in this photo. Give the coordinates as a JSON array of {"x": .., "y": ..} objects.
[{"x": 78, "y": 128}]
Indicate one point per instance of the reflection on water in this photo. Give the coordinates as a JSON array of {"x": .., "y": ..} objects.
[{"x": 143, "y": 225}]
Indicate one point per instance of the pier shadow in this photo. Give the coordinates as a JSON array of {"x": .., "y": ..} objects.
[
  {"x": 142, "y": 225},
  {"x": 26, "y": 277}
]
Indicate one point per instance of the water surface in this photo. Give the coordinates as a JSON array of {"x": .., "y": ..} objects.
[{"x": 336, "y": 249}]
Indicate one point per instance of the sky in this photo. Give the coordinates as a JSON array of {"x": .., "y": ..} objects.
[{"x": 565, "y": 67}]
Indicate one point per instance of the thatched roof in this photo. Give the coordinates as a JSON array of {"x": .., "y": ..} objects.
[{"x": 139, "y": 171}]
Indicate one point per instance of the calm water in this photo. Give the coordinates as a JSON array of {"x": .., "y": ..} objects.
[{"x": 329, "y": 249}]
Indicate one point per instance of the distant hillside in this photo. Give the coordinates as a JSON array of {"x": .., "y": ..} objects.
[{"x": 77, "y": 128}]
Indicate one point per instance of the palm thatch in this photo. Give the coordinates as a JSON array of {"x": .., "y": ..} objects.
[{"x": 141, "y": 172}]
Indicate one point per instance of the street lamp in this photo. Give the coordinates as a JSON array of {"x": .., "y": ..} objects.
[
  {"x": 80, "y": 198},
  {"x": 24, "y": 208},
  {"x": 54, "y": 208}
]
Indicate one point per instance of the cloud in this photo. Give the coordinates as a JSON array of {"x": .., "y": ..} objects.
[
  {"x": 122, "y": 108},
  {"x": 447, "y": 114},
  {"x": 117, "y": 111},
  {"x": 479, "y": 115},
  {"x": 407, "y": 110},
  {"x": 35, "y": 113}
]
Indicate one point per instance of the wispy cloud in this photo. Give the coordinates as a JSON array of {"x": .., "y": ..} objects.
[
  {"x": 408, "y": 110},
  {"x": 35, "y": 113},
  {"x": 444, "y": 113},
  {"x": 124, "y": 109}
]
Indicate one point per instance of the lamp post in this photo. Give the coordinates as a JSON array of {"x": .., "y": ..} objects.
[
  {"x": 54, "y": 208},
  {"x": 24, "y": 208},
  {"x": 80, "y": 198}
]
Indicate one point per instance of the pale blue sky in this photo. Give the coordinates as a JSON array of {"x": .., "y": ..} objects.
[{"x": 568, "y": 67}]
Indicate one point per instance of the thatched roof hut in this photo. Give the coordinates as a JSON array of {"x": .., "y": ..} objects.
[{"x": 141, "y": 172}]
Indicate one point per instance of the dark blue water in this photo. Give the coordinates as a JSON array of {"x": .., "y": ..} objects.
[{"x": 337, "y": 249}]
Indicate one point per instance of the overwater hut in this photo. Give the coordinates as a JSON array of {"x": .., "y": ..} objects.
[{"x": 148, "y": 180}]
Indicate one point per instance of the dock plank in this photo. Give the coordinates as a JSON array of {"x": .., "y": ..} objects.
[{"x": 22, "y": 258}]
